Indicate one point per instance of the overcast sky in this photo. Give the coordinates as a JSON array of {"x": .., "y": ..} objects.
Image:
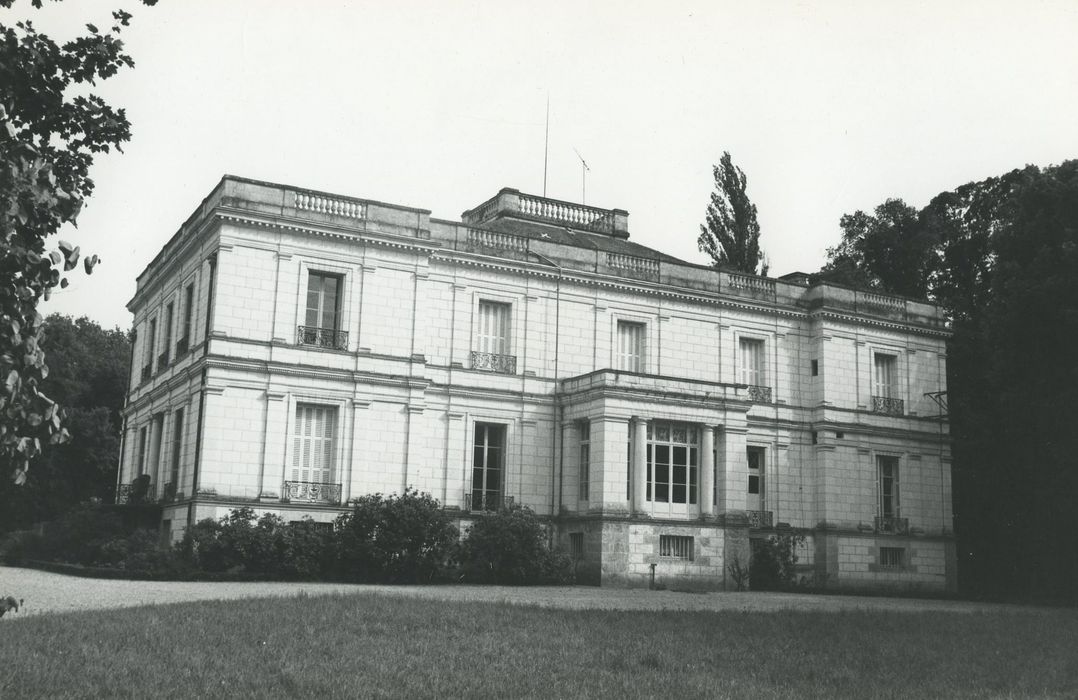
[{"x": 829, "y": 107}]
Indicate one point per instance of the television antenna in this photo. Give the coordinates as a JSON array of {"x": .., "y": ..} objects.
[{"x": 583, "y": 176}]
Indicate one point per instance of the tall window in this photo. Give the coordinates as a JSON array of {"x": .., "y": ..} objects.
[
  {"x": 188, "y": 315},
  {"x": 492, "y": 330},
  {"x": 631, "y": 337},
  {"x": 177, "y": 446},
  {"x": 323, "y": 318},
  {"x": 148, "y": 350},
  {"x": 158, "y": 446},
  {"x": 314, "y": 443},
  {"x": 488, "y": 466},
  {"x": 585, "y": 458},
  {"x": 886, "y": 375},
  {"x": 756, "y": 457},
  {"x": 752, "y": 361},
  {"x": 887, "y": 486},
  {"x": 166, "y": 335},
  {"x": 492, "y": 338},
  {"x": 141, "y": 464},
  {"x": 672, "y": 462}
]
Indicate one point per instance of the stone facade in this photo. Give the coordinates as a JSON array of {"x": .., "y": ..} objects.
[{"x": 297, "y": 349}]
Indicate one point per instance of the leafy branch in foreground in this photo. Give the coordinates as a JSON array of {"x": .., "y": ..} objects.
[{"x": 50, "y": 130}]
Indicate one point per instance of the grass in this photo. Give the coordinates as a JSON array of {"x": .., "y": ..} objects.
[{"x": 367, "y": 645}]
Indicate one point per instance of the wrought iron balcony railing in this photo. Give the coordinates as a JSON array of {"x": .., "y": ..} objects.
[
  {"x": 322, "y": 337},
  {"x": 893, "y": 526},
  {"x": 147, "y": 372},
  {"x": 311, "y": 492},
  {"x": 168, "y": 494},
  {"x": 486, "y": 501},
  {"x": 760, "y": 519},
  {"x": 887, "y": 405},
  {"x": 492, "y": 362},
  {"x": 759, "y": 394}
]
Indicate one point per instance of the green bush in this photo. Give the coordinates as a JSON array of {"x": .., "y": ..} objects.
[
  {"x": 395, "y": 539},
  {"x": 772, "y": 566},
  {"x": 510, "y": 547}
]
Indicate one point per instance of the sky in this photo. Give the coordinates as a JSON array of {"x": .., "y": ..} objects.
[{"x": 828, "y": 107}]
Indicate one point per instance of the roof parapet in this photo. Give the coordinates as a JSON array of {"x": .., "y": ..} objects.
[{"x": 511, "y": 203}]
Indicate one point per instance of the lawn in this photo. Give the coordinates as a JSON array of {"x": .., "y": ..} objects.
[{"x": 366, "y": 645}]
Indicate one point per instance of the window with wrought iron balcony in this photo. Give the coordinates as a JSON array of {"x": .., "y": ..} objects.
[
  {"x": 492, "y": 339},
  {"x": 313, "y": 477},
  {"x": 751, "y": 356},
  {"x": 888, "y": 522},
  {"x": 323, "y": 317},
  {"x": 885, "y": 385}
]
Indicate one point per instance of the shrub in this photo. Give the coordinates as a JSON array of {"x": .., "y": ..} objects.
[
  {"x": 19, "y": 546},
  {"x": 395, "y": 539},
  {"x": 510, "y": 547},
  {"x": 77, "y": 536},
  {"x": 773, "y": 560},
  {"x": 268, "y": 546}
]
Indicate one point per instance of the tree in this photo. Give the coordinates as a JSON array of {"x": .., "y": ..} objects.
[
  {"x": 1000, "y": 256},
  {"x": 731, "y": 234},
  {"x": 88, "y": 372},
  {"x": 51, "y": 129},
  {"x": 889, "y": 251}
]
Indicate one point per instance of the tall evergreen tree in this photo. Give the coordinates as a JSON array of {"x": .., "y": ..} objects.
[{"x": 731, "y": 234}]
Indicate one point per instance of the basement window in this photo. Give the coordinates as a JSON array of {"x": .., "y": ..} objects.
[
  {"x": 576, "y": 545},
  {"x": 676, "y": 547},
  {"x": 892, "y": 557}
]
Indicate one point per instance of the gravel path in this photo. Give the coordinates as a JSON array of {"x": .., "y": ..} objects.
[{"x": 45, "y": 592}]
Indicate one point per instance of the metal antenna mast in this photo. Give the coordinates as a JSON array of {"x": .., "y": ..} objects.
[{"x": 583, "y": 176}]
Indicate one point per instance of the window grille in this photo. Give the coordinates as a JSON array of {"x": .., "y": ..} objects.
[
  {"x": 892, "y": 557},
  {"x": 676, "y": 547},
  {"x": 576, "y": 545}
]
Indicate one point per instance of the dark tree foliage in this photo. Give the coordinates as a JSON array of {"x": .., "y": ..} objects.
[
  {"x": 1001, "y": 257},
  {"x": 88, "y": 371},
  {"x": 51, "y": 128},
  {"x": 731, "y": 234},
  {"x": 889, "y": 251}
]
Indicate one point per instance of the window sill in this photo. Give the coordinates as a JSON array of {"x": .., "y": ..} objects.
[{"x": 881, "y": 569}]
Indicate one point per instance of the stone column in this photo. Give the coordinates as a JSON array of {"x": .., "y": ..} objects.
[
  {"x": 273, "y": 459},
  {"x": 733, "y": 466},
  {"x": 609, "y": 443},
  {"x": 707, "y": 470},
  {"x": 639, "y": 472}
]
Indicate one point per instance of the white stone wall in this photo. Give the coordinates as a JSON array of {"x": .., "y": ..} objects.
[{"x": 407, "y": 399}]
